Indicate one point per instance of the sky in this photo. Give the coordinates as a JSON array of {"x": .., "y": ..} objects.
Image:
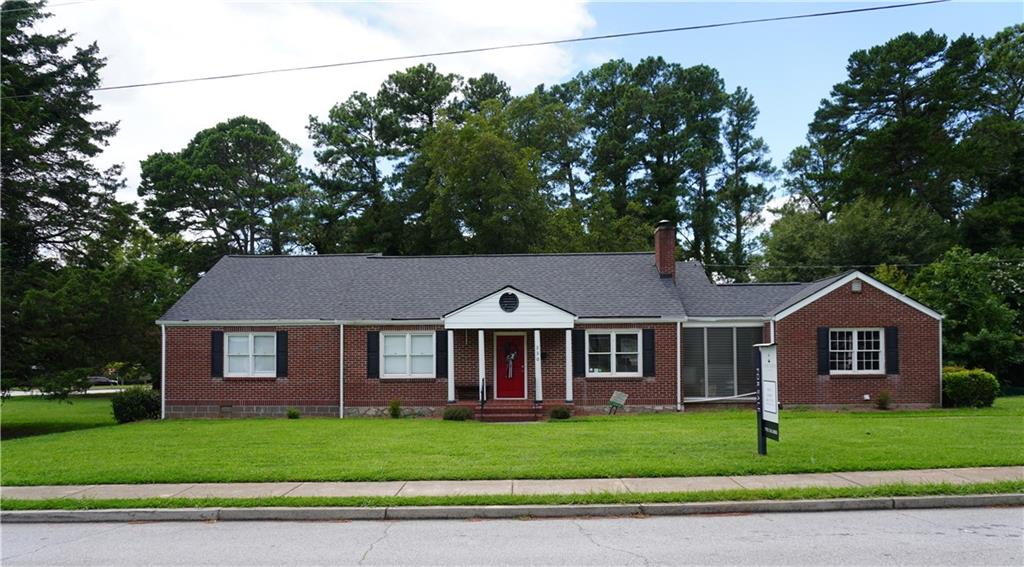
[{"x": 787, "y": 66}]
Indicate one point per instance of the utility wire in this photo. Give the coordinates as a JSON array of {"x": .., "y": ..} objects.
[{"x": 504, "y": 47}]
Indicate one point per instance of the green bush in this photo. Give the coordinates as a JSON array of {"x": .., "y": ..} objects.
[
  {"x": 560, "y": 412},
  {"x": 135, "y": 404},
  {"x": 395, "y": 409},
  {"x": 457, "y": 413},
  {"x": 974, "y": 388},
  {"x": 293, "y": 413},
  {"x": 884, "y": 400}
]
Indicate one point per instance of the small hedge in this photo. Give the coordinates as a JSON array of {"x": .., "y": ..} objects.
[
  {"x": 973, "y": 388},
  {"x": 457, "y": 413},
  {"x": 136, "y": 404},
  {"x": 560, "y": 412}
]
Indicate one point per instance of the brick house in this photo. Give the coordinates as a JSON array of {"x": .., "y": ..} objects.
[{"x": 512, "y": 335}]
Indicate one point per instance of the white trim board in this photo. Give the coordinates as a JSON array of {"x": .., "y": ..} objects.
[{"x": 847, "y": 279}]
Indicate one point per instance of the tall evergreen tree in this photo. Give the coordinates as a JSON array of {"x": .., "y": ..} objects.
[
  {"x": 349, "y": 208},
  {"x": 742, "y": 192},
  {"x": 705, "y": 100},
  {"x": 54, "y": 197},
  {"x": 53, "y": 193},
  {"x": 235, "y": 186}
]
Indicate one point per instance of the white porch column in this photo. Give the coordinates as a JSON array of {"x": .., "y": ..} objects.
[
  {"x": 568, "y": 366},
  {"x": 480, "y": 344},
  {"x": 163, "y": 371},
  {"x": 451, "y": 366},
  {"x": 341, "y": 371},
  {"x": 536, "y": 364}
]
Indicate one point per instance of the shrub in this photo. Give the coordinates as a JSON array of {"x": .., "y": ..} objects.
[
  {"x": 560, "y": 412},
  {"x": 969, "y": 388},
  {"x": 293, "y": 413},
  {"x": 135, "y": 404},
  {"x": 884, "y": 400},
  {"x": 395, "y": 409},
  {"x": 457, "y": 413}
]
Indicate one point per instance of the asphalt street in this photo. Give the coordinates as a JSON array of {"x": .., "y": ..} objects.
[{"x": 970, "y": 536}]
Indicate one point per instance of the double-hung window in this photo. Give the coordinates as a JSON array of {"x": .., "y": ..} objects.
[
  {"x": 250, "y": 354},
  {"x": 855, "y": 351},
  {"x": 407, "y": 355},
  {"x": 613, "y": 353}
]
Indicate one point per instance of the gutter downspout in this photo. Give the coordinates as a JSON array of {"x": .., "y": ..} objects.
[
  {"x": 940, "y": 363},
  {"x": 341, "y": 371},
  {"x": 771, "y": 327},
  {"x": 163, "y": 372},
  {"x": 679, "y": 370}
]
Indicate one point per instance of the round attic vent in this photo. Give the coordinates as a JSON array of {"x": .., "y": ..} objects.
[{"x": 509, "y": 302}]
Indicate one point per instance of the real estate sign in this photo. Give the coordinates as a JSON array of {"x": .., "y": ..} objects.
[{"x": 767, "y": 374}]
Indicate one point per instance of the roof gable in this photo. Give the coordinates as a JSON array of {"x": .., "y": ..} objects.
[
  {"x": 804, "y": 299},
  {"x": 521, "y": 311}
]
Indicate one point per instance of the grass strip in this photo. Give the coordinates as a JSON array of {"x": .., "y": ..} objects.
[{"x": 815, "y": 493}]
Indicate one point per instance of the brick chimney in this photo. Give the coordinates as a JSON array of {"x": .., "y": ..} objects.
[{"x": 665, "y": 248}]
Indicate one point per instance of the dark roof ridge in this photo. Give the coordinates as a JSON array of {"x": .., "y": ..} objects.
[
  {"x": 761, "y": 283},
  {"x": 349, "y": 254},
  {"x": 510, "y": 255}
]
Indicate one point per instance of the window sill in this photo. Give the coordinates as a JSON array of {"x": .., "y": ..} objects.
[
  {"x": 408, "y": 379},
  {"x": 858, "y": 375},
  {"x": 251, "y": 378},
  {"x": 615, "y": 377}
]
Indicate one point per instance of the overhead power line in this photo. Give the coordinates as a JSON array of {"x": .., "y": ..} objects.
[{"x": 506, "y": 46}]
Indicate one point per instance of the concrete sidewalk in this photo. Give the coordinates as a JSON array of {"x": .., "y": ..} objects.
[{"x": 517, "y": 487}]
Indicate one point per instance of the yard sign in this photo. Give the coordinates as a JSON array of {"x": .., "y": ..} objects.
[{"x": 766, "y": 371}]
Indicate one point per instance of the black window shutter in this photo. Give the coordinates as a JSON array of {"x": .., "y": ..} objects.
[
  {"x": 892, "y": 350},
  {"x": 648, "y": 346},
  {"x": 579, "y": 353},
  {"x": 373, "y": 354},
  {"x": 282, "y": 354},
  {"x": 441, "y": 355},
  {"x": 822, "y": 351},
  {"x": 217, "y": 354}
]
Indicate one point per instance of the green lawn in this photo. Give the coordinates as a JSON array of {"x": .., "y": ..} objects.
[
  {"x": 700, "y": 443},
  {"x": 24, "y": 416}
]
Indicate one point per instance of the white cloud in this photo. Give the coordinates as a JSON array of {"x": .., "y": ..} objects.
[{"x": 152, "y": 41}]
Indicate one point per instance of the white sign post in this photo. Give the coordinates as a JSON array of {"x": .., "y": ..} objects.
[{"x": 767, "y": 373}]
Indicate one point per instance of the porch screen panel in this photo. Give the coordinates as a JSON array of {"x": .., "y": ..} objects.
[
  {"x": 746, "y": 338},
  {"x": 721, "y": 380},
  {"x": 693, "y": 362}
]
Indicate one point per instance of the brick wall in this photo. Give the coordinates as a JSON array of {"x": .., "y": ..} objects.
[
  {"x": 657, "y": 392},
  {"x": 312, "y": 382},
  {"x": 368, "y": 395},
  {"x": 917, "y": 383},
  {"x": 311, "y": 385}
]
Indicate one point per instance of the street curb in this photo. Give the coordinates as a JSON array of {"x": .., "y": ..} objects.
[{"x": 505, "y": 512}]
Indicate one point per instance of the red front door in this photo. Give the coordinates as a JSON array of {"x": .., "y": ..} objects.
[{"x": 510, "y": 367}]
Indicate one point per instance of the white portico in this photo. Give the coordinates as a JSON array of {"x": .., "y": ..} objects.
[{"x": 511, "y": 314}]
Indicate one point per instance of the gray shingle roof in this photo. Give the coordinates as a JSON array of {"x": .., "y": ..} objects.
[
  {"x": 702, "y": 298},
  {"x": 371, "y": 287}
]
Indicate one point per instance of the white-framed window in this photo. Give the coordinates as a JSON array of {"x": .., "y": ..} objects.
[
  {"x": 407, "y": 355},
  {"x": 250, "y": 354},
  {"x": 855, "y": 351},
  {"x": 613, "y": 353}
]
